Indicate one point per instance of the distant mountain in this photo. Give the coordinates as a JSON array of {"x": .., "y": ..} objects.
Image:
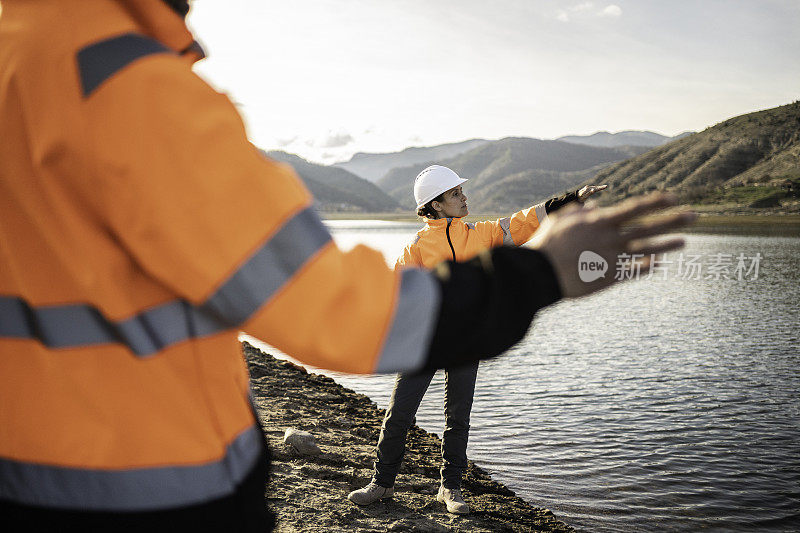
[
  {"x": 513, "y": 173},
  {"x": 336, "y": 189},
  {"x": 622, "y": 138},
  {"x": 740, "y": 161},
  {"x": 749, "y": 160},
  {"x": 372, "y": 167}
]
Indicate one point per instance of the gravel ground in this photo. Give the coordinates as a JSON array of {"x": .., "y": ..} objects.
[{"x": 309, "y": 493}]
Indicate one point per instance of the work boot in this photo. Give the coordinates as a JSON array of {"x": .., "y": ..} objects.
[
  {"x": 370, "y": 494},
  {"x": 452, "y": 498}
]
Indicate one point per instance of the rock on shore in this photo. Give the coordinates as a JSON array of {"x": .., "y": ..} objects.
[{"x": 308, "y": 492}]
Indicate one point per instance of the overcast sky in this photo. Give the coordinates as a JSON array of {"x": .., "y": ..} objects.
[{"x": 327, "y": 78}]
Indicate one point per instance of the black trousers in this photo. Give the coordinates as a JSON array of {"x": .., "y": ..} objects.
[
  {"x": 243, "y": 511},
  {"x": 406, "y": 397}
]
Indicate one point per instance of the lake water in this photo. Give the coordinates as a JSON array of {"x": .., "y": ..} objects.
[{"x": 663, "y": 404}]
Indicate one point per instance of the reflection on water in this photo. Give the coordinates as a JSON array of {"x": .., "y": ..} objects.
[{"x": 662, "y": 404}]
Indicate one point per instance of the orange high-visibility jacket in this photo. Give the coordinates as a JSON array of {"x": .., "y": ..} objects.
[
  {"x": 453, "y": 238},
  {"x": 140, "y": 231}
]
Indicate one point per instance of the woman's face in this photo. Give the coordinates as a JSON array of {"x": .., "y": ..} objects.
[{"x": 453, "y": 205}]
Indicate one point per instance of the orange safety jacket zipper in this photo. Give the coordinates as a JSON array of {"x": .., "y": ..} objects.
[{"x": 447, "y": 231}]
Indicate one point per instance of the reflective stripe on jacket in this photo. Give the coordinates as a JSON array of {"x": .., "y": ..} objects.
[
  {"x": 139, "y": 232},
  {"x": 452, "y": 238}
]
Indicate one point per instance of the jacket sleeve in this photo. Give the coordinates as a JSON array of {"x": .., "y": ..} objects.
[
  {"x": 557, "y": 202},
  {"x": 488, "y": 303},
  {"x": 518, "y": 228},
  {"x": 234, "y": 235}
]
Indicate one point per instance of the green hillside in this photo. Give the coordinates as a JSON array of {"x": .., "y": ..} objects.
[
  {"x": 514, "y": 172},
  {"x": 337, "y": 190},
  {"x": 752, "y": 160}
]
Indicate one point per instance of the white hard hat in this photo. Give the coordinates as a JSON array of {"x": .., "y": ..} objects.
[{"x": 432, "y": 182}]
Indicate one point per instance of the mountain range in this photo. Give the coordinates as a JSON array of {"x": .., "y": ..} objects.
[
  {"x": 749, "y": 160},
  {"x": 512, "y": 173},
  {"x": 337, "y": 190},
  {"x": 372, "y": 167},
  {"x": 623, "y": 138}
]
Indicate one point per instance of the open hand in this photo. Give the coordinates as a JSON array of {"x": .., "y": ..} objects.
[
  {"x": 567, "y": 233},
  {"x": 588, "y": 190}
]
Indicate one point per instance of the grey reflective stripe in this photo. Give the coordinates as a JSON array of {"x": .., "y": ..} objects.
[
  {"x": 150, "y": 332},
  {"x": 99, "y": 61},
  {"x": 505, "y": 225},
  {"x": 15, "y": 319},
  {"x": 70, "y": 326},
  {"x": 541, "y": 212},
  {"x": 414, "y": 320},
  {"x": 270, "y": 268},
  {"x": 248, "y": 289},
  {"x": 132, "y": 489}
]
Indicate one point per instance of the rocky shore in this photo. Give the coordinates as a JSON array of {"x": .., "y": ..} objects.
[{"x": 308, "y": 491}]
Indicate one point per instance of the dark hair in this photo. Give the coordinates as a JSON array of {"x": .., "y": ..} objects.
[{"x": 427, "y": 210}]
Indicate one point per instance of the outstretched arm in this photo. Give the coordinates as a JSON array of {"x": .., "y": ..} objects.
[
  {"x": 518, "y": 228},
  {"x": 489, "y": 302},
  {"x": 233, "y": 239}
]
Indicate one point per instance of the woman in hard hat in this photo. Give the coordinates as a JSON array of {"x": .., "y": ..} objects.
[{"x": 442, "y": 203}]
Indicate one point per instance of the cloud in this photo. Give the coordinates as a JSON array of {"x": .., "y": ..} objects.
[
  {"x": 337, "y": 140},
  {"x": 586, "y": 6},
  {"x": 585, "y": 9},
  {"x": 611, "y": 10},
  {"x": 564, "y": 14},
  {"x": 286, "y": 142},
  {"x": 330, "y": 140}
]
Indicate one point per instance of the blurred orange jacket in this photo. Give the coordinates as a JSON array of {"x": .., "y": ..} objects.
[{"x": 140, "y": 231}]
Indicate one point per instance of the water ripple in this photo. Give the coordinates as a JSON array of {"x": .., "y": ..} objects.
[{"x": 654, "y": 406}]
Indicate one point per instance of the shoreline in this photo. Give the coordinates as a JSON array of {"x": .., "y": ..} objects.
[
  {"x": 309, "y": 492},
  {"x": 744, "y": 216},
  {"x": 742, "y": 222}
]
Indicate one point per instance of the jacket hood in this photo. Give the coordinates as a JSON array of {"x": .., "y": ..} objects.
[
  {"x": 164, "y": 21},
  {"x": 181, "y": 7}
]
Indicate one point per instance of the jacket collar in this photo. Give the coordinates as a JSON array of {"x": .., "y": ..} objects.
[{"x": 440, "y": 222}]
